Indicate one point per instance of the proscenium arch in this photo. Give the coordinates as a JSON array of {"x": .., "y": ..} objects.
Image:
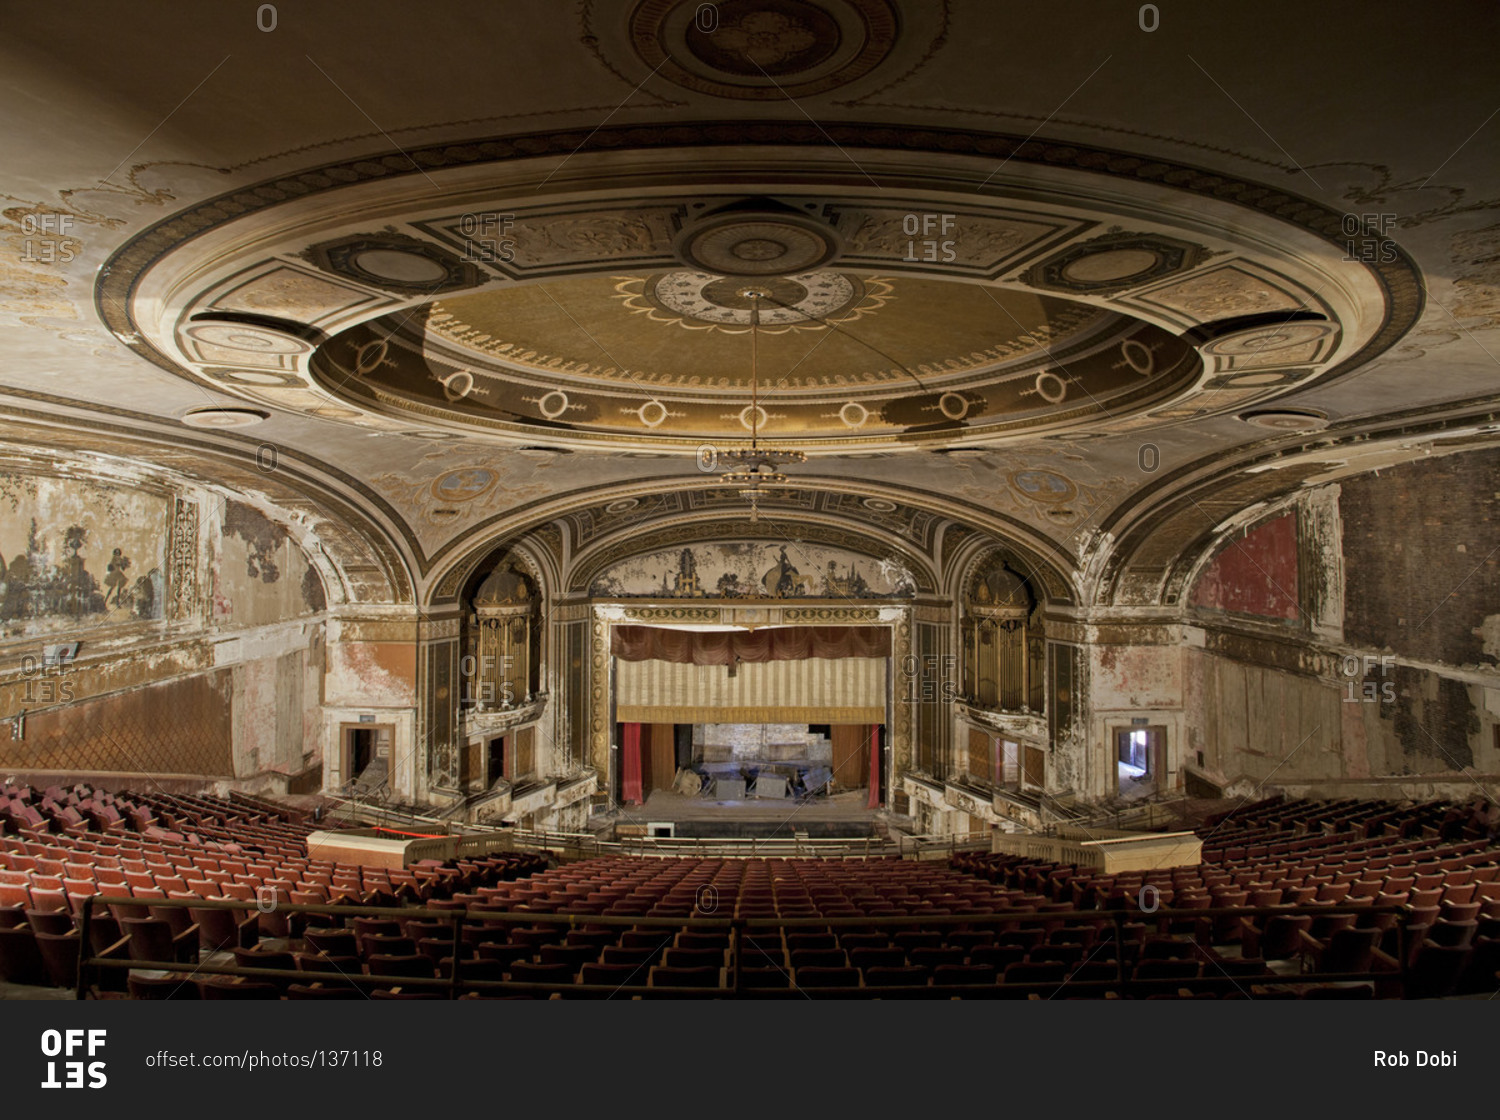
[
  {"x": 453, "y": 559},
  {"x": 701, "y": 530}
]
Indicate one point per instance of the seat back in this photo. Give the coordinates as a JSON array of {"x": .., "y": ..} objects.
[{"x": 20, "y": 960}]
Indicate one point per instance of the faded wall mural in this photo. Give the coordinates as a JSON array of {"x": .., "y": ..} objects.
[
  {"x": 755, "y": 570},
  {"x": 261, "y": 576},
  {"x": 76, "y": 553}
]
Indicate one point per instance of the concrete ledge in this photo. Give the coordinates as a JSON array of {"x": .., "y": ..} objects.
[{"x": 1144, "y": 851}]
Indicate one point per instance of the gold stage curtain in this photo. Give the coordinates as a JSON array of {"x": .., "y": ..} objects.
[
  {"x": 729, "y": 647},
  {"x": 847, "y": 690}
]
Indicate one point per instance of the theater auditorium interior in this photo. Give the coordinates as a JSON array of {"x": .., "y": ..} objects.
[{"x": 850, "y": 499}]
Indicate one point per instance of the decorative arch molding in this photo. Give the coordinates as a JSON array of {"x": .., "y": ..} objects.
[
  {"x": 357, "y": 557},
  {"x": 1158, "y": 540},
  {"x": 1048, "y": 581},
  {"x": 545, "y": 526},
  {"x": 700, "y": 531},
  {"x": 537, "y": 563}
]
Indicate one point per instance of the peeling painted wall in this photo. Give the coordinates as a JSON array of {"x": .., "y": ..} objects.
[
  {"x": 1255, "y": 574},
  {"x": 1125, "y": 677},
  {"x": 1422, "y": 568},
  {"x": 77, "y": 554},
  {"x": 260, "y": 575},
  {"x": 370, "y": 673},
  {"x": 201, "y": 646},
  {"x": 1258, "y": 723}
]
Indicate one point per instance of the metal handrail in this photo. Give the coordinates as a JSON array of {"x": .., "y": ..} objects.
[{"x": 582, "y": 845}]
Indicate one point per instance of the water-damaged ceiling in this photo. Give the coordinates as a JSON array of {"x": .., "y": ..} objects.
[{"x": 483, "y": 273}]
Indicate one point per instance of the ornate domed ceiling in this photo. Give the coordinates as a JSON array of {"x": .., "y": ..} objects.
[
  {"x": 974, "y": 304},
  {"x": 841, "y": 358},
  {"x": 1088, "y": 286}
]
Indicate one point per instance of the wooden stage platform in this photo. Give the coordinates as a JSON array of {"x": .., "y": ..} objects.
[{"x": 842, "y": 816}]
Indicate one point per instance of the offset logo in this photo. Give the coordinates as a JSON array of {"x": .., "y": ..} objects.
[{"x": 74, "y": 1045}]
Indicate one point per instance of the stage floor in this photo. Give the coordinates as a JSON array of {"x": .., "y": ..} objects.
[{"x": 842, "y": 815}]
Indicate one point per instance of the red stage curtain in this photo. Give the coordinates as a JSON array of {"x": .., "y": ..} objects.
[
  {"x": 851, "y": 754},
  {"x": 874, "y": 766},
  {"x": 630, "y": 768},
  {"x": 725, "y": 647}
]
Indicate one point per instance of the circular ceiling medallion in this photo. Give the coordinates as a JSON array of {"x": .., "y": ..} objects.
[
  {"x": 1043, "y": 486},
  {"x": 1114, "y": 261},
  {"x": 553, "y": 405},
  {"x": 431, "y": 435},
  {"x": 667, "y": 356},
  {"x": 1262, "y": 339},
  {"x": 622, "y": 505},
  {"x": 762, "y": 49},
  {"x": 396, "y": 264},
  {"x": 879, "y": 505},
  {"x": 238, "y": 336},
  {"x": 784, "y": 301},
  {"x": 955, "y": 406},
  {"x": 741, "y": 244},
  {"x": 753, "y": 418},
  {"x": 1250, "y": 380},
  {"x": 465, "y": 484},
  {"x": 1287, "y": 419},
  {"x": 1113, "y": 264},
  {"x": 1051, "y": 387},
  {"x": 224, "y": 417}
]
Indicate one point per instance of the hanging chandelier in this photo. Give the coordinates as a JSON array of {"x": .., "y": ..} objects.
[{"x": 755, "y": 469}]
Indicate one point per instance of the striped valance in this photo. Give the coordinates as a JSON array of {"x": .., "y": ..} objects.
[
  {"x": 815, "y": 690},
  {"x": 731, "y": 647}
]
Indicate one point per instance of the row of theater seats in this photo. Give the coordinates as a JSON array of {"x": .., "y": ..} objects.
[
  {"x": 1012, "y": 955},
  {"x": 343, "y": 963},
  {"x": 751, "y": 888},
  {"x": 1412, "y": 893},
  {"x": 240, "y": 848},
  {"x": 26, "y": 812},
  {"x": 1335, "y": 891},
  {"x": 43, "y": 946},
  {"x": 92, "y": 842}
]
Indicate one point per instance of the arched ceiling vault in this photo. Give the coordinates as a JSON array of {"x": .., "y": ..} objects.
[
  {"x": 1073, "y": 288},
  {"x": 925, "y": 528},
  {"x": 366, "y": 563},
  {"x": 1153, "y": 546}
]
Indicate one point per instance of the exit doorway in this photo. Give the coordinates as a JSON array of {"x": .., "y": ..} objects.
[
  {"x": 1140, "y": 760},
  {"x": 494, "y": 761},
  {"x": 366, "y": 752}
]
